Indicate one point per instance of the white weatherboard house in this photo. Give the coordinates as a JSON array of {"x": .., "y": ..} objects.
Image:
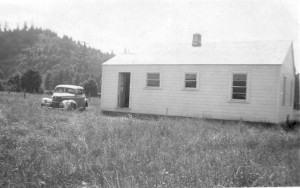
[{"x": 252, "y": 81}]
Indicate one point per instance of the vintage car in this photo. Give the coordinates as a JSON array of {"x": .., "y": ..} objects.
[{"x": 68, "y": 97}]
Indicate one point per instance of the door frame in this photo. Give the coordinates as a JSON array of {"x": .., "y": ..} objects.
[{"x": 121, "y": 76}]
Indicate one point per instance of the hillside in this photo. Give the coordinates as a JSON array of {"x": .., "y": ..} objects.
[{"x": 43, "y": 50}]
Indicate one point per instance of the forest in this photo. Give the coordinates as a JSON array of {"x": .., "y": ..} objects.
[{"x": 58, "y": 60}]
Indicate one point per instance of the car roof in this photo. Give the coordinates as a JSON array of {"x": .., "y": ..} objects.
[{"x": 70, "y": 86}]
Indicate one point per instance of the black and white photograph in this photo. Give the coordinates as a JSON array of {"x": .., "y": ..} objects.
[{"x": 149, "y": 93}]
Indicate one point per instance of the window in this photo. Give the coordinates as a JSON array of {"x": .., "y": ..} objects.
[
  {"x": 239, "y": 87},
  {"x": 60, "y": 90},
  {"x": 283, "y": 92},
  {"x": 79, "y": 91},
  {"x": 70, "y": 90},
  {"x": 190, "y": 80},
  {"x": 153, "y": 80}
]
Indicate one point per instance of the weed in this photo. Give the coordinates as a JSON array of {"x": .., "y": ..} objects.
[{"x": 51, "y": 148}]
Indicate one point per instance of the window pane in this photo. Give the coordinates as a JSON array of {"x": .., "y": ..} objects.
[
  {"x": 60, "y": 90},
  {"x": 190, "y": 76},
  {"x": 239, "y": 86},
  {"x": 239, "y": 77},
  {"x": 153, "y": 76},
  {"x": 239, "y": 83},
  {"x": 69, "y": 90},
  {"x": 153, "y": 83},
  {"x": 190, "y": 84},
  {"x": 239, "y": 96},
  {"x": 239, "y": 90}
]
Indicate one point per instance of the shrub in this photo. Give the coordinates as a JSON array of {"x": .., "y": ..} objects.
[
  {"x": 31, "y": 81},
  {"x": 1, "y": 86}
]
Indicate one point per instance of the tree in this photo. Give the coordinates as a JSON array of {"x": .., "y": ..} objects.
[
  {"x": 297, "y": 92},
  {"x": 5, "y": 27},
  {"x": 25, "y": 27},
  {"x": 28, "y": 47},
  {"x": 48, "y": 81},
  {"x": 99, "y": 82},
  {"x": 91, "y": 88},
  {"x": 58, "y": 77},
  {"x": 77, "y": 79},
  {"x": 61, "y": 76},
  {"x": 1, "y": 74},
  {"x": 1, "y": 86},
  {"x": 14, "y": 82},
  {"x": 67, "y": 77},
  {"x": 31, "y": 81}
]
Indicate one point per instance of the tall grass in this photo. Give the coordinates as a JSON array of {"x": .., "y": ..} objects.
[{"x": 52, "y": 147}]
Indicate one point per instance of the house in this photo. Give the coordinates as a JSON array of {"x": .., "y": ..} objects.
[{"x": 252, "y": 81}]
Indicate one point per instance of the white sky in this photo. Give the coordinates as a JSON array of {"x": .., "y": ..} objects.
[{"x": 134, "y": 24}]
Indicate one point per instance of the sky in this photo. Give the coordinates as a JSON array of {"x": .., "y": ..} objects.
[{"x": 115, "y": 25}]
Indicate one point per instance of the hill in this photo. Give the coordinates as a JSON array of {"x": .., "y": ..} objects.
[{"x": 68, "y": 61}]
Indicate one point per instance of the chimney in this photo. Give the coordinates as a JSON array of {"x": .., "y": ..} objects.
[{"x": 196, "y": 40}]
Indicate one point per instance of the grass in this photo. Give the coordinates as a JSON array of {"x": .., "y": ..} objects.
[{"x": 51, "y": 147}]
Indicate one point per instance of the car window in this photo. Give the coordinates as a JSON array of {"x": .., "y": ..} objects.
[
  {"x": 70, "y": 90},
  {"x": 59, "y": 90},
  {"x": 79, "y": 91}
]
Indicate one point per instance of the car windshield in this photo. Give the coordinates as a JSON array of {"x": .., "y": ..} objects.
[
  {"x": 70, "y": 90},
  {"x": 65, "y": 90}
]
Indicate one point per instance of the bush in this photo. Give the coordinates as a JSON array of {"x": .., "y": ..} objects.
[
  {"x": 31, "y": 81},
  {"x": 1, "y": 86},
  {"x": 14, "y": 83},
  {"x": 91, "y": 88}
]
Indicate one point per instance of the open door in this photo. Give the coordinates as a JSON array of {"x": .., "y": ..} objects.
[{"x": 123, "y": 89}]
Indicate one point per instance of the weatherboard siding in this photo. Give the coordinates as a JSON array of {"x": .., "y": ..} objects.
[
  {"x": 109, "y": 88},
  {"x": 211, "y": 99},
  {"x": 287, "y": 70}
]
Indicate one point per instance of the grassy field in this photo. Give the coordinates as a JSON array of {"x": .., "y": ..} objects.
[{"x": 51, "y": 147}]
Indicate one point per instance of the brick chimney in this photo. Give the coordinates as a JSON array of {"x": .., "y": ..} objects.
[{"x": 196, "y": 40}]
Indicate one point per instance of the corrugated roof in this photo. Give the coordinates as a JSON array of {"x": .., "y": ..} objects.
[{"x": 259, "y": 52}]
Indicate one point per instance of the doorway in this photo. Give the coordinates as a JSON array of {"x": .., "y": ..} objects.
[{"x": 123, "y": 89}]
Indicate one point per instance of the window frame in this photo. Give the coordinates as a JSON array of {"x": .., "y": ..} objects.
[
  {"x": 247, "y": 99},
  {"x": 153, "y": 87},
  {"x": 184, "y": 81}
]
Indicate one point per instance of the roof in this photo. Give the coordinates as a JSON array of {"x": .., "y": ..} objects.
[
  {"x": 259, "y": 52},
  {"x": 70, "y": 86}
]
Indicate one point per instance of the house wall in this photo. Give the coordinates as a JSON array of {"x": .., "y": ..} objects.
[
  {"x": 287, "y": 70},
  {"x": 211, "y": 99}
]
